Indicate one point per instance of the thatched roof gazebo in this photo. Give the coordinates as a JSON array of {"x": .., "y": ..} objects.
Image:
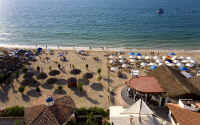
[
  {"x": 57, "y": 114},
  {"x": 175, "y": 84}
]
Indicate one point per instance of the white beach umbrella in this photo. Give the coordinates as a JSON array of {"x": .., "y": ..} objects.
[
  {"x": 135, "y": 72},
  {"x": 188, "y": 58},
  {"x": 174, "y": 57},
  {"x": 179, "y": 64},
  {"x": 193, "y": 61},
  {"x": 111, "y": 57},
  {"x": 160, "y": 64},
  {"x": 163, "y": 57},
  {"x": 151, "y": 64},
  {"x": 121, "y": 60},
  {"x": 132, "y": 57},
  {"x": 121, "y": 57},
  {"x": 176, "y": 61},
  {"x": 143, "y": 64},
  {"x": 156, "y": 57},
  {"x": 132, "y": 60},
  {"x": 114, "y": 68},
  {"x": 189, "y": 65},
  {"x": 185, "y": 61},
  {"x": 181, "y": 57},
  {"x": 139, "y": 57},
  {"x": 147, "y": 57},
  {"x": 125, "y": 65},
  {"x": 111, "y": 61},
  {"x": 170, "y": 64},
  {"x": 166, "y": 62},
  {"x": 158, "y": 61}
]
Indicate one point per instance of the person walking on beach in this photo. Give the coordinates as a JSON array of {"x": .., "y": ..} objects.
[
  {"x": 73, "y": 67},
  {"x": 70, "y": 65},
  {"x": 38, "y": 68},
  {"x": 59, "y": 66},
  {"x": 86, "y": 66}
]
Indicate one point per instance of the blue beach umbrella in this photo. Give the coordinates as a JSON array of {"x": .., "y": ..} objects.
[
  {"x": 39, "y": 50},
  {"x": 138, "y": 54},
  {"x": 131, "y": 54},
  {"x": 49, "y": 99},
  {"x": 60, "y": 54},
  {"x": 153, "y": 67},
  {"x": 171, "y": 54},
  {"x": 27, "y": 54},
  {"x": 182, "y": 68}
]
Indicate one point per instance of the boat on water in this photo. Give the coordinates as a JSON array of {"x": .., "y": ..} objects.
[{"x": 160, "y": 11}]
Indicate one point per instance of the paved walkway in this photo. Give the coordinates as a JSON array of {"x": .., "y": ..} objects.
[
  {"x": 121, "y": 99},
  {"x": 125, "y": 96},
  {"x": 118, "y": 100}
]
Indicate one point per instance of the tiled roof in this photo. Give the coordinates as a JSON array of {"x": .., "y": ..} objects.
[
  {"x": 57, "y": 114},
  {"x": 184, "y": 116},
  {"x": 146, "y": 84}
]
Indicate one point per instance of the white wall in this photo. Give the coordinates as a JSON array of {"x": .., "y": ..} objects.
[{"x": 171, "y": 119}]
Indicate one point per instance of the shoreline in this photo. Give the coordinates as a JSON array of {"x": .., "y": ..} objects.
[{"x": 90, "y": 48}]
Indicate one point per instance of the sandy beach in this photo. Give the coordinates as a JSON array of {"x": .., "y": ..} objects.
[{"x": 94, "y": 94}]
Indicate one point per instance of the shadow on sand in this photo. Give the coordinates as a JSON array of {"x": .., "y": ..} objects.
[
  {"x": 33, "y": 93},
  {"x": 62, "y": 81},
  {"x": 84, "y": 93},
  {"x": 25, "y": 98},
  {"x": 97, "y": 86},
  {"x": 4, "y": 95},
  {"x": 60, "y": 92},
  {"x": 84, "y": 81}
]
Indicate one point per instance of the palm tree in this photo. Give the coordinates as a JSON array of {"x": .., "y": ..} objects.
[
  {"x": 99, "y": 78},
  {"x": 60, "y": 87},
  {"x": 99, "y": 71},
  {"x": 21, "y": 89},
  {"x": 91, "y": 120},
  {"x": 38, "y": 68}
]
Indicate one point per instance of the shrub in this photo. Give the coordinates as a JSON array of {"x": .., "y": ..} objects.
[
  {"x": 24, "y": 69},
  {"x": 50, "y": 68},
  {"x": 12, "y": 111},
  {"x": 75, "y": 71},
  {"x": 42, "y": 75},
  {"x": 60, "y": 87},
  {"x": 80, "y": 86},
  {"x": 3, "y": 78},
  {"x": 119, "y": 74},
  {"x": 99, "y": 71},
  {"x": 37, "y": 89},
  {"x": 72, "y": 82},
  {"x": 88, "y": 75},
  {"x": 21, "y": 89},
  {"x": 54, "y": 72},
  {"x": 106, "y": 123},
  {"x": 99, "y": 78},
  {"x": 16, "y": 74},
  {"x": 52, "y": 80},
  {"x": 94, "y": 110},
  {"x": 17, "y": 122}
]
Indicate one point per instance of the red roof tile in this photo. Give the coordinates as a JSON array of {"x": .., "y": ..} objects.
[
  {"x": 56, "y": 114},
  {"x": 184, "y": 116},
  {"x": 146, "y": 84}
]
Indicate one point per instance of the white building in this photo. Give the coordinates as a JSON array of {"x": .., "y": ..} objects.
[{"x": 137, "y": 114}]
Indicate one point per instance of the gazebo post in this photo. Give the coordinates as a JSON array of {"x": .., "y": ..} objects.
[
  {"x": 134, "y": 96},
  {"x": 160, "y": 101},
  {"x": 146, "y": 97}
]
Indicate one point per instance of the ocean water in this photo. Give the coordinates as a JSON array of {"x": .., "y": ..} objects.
[{"x": 111, "y": 23}]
